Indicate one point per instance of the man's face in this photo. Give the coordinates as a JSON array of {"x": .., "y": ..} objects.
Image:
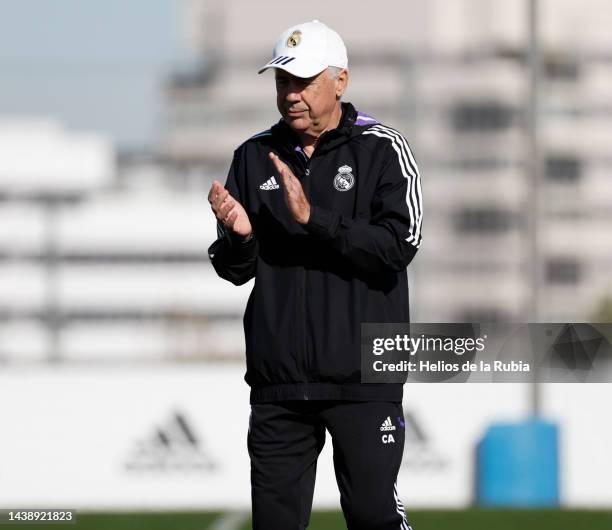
[{"x": 307, "y": 104}]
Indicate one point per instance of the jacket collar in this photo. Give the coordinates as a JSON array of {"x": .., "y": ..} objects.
[{"x": 287, "y": 139}]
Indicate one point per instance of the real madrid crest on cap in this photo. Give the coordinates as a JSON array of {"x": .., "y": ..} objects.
[
  {"x": 294, "y": 39},
  {"x": 344, "y": 180}
]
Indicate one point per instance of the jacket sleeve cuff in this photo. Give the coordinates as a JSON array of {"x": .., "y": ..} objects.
[
  {"x": 240, "y": 248},
  {"x": 322, "y": 223}
]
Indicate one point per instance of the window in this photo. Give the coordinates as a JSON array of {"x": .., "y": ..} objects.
[
  {"x": 561, "y": 68},
  {"x": 481, "y": 164},
  {"x": 563, "y": 169},
  {"x": 483, "y": 220},
  {"x": 562, "y": 271},
  {"x": 481, "y": 116},
  {"x": 482, "y": 314}
]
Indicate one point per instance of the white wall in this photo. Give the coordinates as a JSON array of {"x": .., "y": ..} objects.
[{"x": 69, "y": 435}]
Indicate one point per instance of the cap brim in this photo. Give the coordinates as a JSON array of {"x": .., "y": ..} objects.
[{"x": 296, "y": 66}]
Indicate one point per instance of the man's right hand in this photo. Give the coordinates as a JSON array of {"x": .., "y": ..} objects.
[{"x": 229, "y": 211}]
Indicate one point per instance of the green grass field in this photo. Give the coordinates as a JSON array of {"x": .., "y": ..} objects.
[{"x": 476, "y": 519}]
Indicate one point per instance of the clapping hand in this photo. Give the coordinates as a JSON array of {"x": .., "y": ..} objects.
[{"x": 229, "y": 211}]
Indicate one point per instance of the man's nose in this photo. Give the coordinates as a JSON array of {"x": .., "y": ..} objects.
[{"x": 293, "y": 93}]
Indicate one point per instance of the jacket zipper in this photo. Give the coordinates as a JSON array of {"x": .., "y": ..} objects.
[
  {"x": 303, "y": 286},
  {"x": 307, "y": 348},
  {"x": 302, "y": 290}
]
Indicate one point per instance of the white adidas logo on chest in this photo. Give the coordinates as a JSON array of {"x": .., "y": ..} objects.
[{"x": 269, "y": 184}]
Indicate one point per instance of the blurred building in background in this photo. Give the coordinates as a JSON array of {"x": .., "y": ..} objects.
[{"x": 103, "y": 256}]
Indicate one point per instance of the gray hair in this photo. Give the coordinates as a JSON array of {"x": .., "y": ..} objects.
[{"x": 334, "y": 72}]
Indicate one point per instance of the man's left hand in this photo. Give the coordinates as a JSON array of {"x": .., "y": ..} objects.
[{"x": 294, "y": 193}]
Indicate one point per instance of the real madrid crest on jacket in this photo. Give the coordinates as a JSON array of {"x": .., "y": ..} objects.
[
  {"x": 344, "y": 179},
  {"x": 316, "y": 284}
]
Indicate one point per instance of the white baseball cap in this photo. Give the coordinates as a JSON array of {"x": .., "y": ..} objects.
[{"x": 307, "y": 49}]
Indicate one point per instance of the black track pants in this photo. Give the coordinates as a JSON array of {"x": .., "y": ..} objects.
[{"x": 284, "y": 441}]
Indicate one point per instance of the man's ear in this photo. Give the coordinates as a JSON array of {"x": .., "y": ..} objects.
[{"x": 341, "y": 83}]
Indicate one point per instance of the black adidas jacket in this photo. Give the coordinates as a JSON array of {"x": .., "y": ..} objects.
[{"x": 316, "y": 284}]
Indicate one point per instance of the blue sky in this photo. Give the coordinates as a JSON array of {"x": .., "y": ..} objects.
[{"x": 94, "y": 65}]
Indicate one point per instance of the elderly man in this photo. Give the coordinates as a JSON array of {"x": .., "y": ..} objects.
[{"x": 324, "y": 211}]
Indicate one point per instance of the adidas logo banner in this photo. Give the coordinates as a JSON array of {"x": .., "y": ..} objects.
[
  {"x": 172, "y": 447},
  {"x": 269, "y": 184}
]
